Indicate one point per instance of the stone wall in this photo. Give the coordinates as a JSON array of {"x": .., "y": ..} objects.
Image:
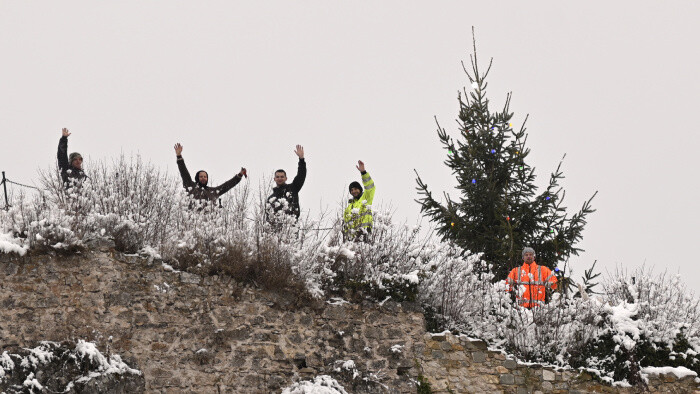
[
  {"x": 208, "y": 334},
  {"x": 460, "y": 365}
]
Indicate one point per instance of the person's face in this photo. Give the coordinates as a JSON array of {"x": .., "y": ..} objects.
[
  {"x": 78, "y": 163},
  {"x": 203, "y": 178},
  {"x": 280, "y": 178},
  {"x": 529, "y": 257},
  {"x": 356, "y": 193}
]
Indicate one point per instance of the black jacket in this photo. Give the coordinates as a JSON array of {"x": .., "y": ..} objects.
[
  {"x": 68, "y": 172},
  {"x": 203, "y": 192},
  {"x": 287, "y": 196}
]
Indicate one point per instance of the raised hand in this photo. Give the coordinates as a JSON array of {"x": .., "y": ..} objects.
[
  {"x": 360, "y": 166},
  {"x": 65, "y": 132},
  {"x": 243, "y": 173},
  {"x": 300, "y": 151},
  {"x": 178, "y": 149}
]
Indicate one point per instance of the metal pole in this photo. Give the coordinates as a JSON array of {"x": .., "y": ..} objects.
[{"x": 4, "y": 186}]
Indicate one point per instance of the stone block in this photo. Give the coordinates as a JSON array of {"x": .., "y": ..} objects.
[
  {"x": 507, "y": 379},
  {"x": 458, "y": 356},
  {"x": 306, "y": 320},
  {"x": 477, "y": 345},
  {"x": 241, "y": 333},
  {"x": 439, "y": 337},
  {"x": 479, "y": 357},
  {"x": 584, "y": 376},
  {"x": 186, "y": 277},
  {"x": 668, "y": 377},
  {"x": 11, "y": 269},
  {"x": 394, "y": 333},
  {"x": 510, "y": 363},
  {"x": 237, "y": 361},
  {"x": 548, "y": 375},
  {"x": 373, "y": 333},
  {"x": 334, "y": 312}
]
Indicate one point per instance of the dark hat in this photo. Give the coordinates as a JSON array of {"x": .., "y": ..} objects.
[{"x": 355, "y": 185}]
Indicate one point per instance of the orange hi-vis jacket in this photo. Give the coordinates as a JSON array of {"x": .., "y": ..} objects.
[{"x": 530, "y": 282}]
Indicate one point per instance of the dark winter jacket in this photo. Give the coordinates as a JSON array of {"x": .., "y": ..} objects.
[
  {"x": 286, "y": 197},
  {"x": 203, "y": 192},
  {"x": 69, "y": 173}
]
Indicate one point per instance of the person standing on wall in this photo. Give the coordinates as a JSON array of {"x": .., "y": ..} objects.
[
  {"x": 357, "y": 218},
  {"x": 198, "y": 187},
  {"x": 531, "y": 282},
  {"x": 284, "y": 200},
  {"x": 71, "y": 167}
]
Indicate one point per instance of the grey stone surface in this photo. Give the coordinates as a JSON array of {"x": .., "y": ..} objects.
[
  {"x": 507, "y": 379},
  {"x": 479, "y": 357},
  {"x": 510, "y": 363},
  {"x": 548, "y": 375}
]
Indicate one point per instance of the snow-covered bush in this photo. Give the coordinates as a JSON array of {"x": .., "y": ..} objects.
[
  {"x": 648, "y": 321},
  {"x": 388, "y": 264},
  {"x": 66, "y": 367},
  {"x": 323, "y": 384}
]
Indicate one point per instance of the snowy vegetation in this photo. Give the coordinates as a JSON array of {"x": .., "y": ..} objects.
[
  {"x": 632, "y": 324},
  {"x": 46, "y": 367}
]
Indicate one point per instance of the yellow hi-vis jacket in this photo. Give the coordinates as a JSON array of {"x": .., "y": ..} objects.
[{"x": 358, "y": 213}]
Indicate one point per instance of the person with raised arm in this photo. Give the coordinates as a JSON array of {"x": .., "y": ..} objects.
[
  {"x": 199, "y": 188},
  {"x": 357, "y": 218},
  {"x": 285, "y": 196},
  {"x": 71, "y": 166}
]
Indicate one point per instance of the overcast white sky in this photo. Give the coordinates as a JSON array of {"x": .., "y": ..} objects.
[{"x": 614, "y": 85}]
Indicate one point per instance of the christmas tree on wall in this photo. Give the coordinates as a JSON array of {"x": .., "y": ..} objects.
[{"x": 499, "y": 211}]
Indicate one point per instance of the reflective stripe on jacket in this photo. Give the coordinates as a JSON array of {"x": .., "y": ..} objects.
[
  {"x": 358, "y": 213},
  {"x": 530, "y": 282}
]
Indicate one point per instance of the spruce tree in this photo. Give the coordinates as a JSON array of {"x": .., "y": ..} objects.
[{"x": 499, "y": 211}]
